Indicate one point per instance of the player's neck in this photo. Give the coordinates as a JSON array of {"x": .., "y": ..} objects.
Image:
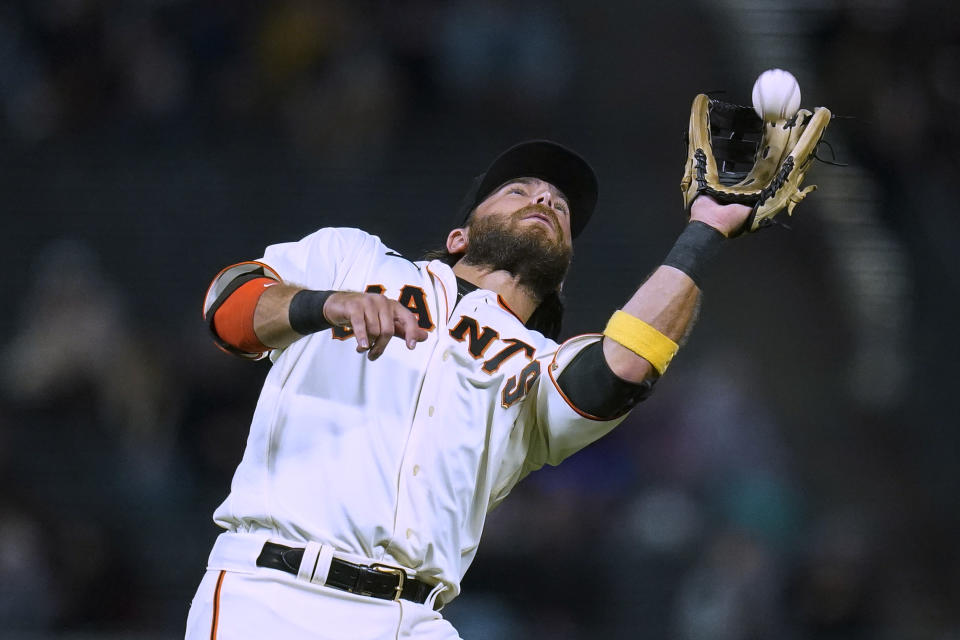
[{"x": 501, "y": 282}]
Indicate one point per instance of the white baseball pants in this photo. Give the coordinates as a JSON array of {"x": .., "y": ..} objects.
[{"x": 259, "y": 602}]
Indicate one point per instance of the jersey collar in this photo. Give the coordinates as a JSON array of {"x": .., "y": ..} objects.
[{"x": 443, "y": 274}]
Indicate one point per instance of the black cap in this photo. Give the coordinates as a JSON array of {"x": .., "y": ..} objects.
[{"x": 548, "y": 161}]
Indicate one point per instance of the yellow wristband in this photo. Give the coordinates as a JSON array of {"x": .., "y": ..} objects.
[{"x": 642, "y": 339}]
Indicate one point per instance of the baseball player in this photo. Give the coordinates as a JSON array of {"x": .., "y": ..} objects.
[{"x": 407, "y": 398}]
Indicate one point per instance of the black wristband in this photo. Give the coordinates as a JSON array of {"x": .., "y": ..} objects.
[
  {"x": 306, "y": 311},
  {"x": 695, "y": 247}
]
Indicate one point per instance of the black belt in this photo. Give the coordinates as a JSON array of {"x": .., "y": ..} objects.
[{"x": 375, "y": 580}]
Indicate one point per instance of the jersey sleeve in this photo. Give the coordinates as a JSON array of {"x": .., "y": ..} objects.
[
  {"x": 321, "y": 260},
  {"x": 558, "y": 428},
  {"x": 318, "y": 261}
]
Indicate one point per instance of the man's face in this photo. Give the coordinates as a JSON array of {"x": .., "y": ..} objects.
[
  {"x": 530, "y": 205},
  {"x": 523, "y": 228}
]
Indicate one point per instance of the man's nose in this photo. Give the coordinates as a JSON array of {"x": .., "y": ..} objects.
[{"x": 544, "y": 197}]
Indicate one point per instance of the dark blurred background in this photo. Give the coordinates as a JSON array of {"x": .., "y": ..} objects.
[{"x": 795, "y": 476}]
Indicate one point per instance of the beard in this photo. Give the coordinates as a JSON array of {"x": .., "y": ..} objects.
[{"x": 536, "y": 256}]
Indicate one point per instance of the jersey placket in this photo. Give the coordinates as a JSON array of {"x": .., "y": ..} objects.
[{"x": 406, "y": 537}]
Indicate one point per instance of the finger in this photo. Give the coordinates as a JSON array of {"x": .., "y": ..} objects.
[
  {"x": 407, "y": 326},
  {"x": 371, "y": 318},
  {"x": 359, "y": 326},
  {"x": 385, "y": 324},
  {"x": 404, "y": 332},
  {"x": 404, "y": 322}
]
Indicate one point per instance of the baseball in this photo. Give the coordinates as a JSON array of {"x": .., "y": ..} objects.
[{"x": 776, "y": 95}]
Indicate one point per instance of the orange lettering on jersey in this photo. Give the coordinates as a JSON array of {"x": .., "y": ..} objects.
[
  {"x": 477, "y": 341},
  {"x": 515, "y": 346},
  {"x": 513, "y": 390},
  {"x": 413, "y": 298}
]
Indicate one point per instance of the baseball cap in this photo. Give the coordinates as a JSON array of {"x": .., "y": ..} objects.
[{"x": 549, "y": 161}]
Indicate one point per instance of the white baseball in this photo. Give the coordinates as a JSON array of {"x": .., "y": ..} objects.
[{"x": 776, "y": 95}]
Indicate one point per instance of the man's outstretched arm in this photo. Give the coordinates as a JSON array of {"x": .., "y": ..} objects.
[
  {"x": 279, "y": 314},
  {"x": 668, "y": 300}
]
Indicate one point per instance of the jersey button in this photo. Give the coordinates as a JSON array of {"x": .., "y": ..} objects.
[
  {"x": 446, "y": 354},
  {"x": 430, "y": 412},
  {"x": 409, "y": 533},
  {"x": 416, "y": 469}
]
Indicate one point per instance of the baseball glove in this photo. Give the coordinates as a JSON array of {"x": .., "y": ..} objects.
[{"x": 736, "y": 157}]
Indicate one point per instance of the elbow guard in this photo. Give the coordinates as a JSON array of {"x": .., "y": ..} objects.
[
  {"x": 231, "y": 317},
  {"x": 590, "y": 384}
]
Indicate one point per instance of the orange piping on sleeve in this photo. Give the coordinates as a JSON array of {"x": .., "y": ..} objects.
[{"x": 550, "y": 369}]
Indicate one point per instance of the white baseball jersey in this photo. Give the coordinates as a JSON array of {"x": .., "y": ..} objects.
[{"x": 399, "y": 460}]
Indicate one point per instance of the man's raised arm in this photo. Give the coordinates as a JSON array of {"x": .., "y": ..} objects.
[{"x": 638, "y": 344}]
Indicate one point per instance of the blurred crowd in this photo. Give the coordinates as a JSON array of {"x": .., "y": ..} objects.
[
  {"x": 796, "y": 509},
  {"x": 336, "y": 77}
]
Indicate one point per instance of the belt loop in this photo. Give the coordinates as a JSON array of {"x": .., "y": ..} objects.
[
  {"x": 324, "y": 559},
  {"x": 432, "y": 596},
  {"x": 309, "y": 563}
]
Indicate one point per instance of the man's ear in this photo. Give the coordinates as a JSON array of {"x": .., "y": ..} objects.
[{"x": 457, "y": 241}]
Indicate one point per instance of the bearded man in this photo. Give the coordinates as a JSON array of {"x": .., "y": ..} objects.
[{"x": 371, "y": 462}]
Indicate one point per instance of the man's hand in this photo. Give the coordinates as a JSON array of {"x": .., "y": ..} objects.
[
  {"x": 726, "y": 219},
  {"x": 374, "y": 319}
]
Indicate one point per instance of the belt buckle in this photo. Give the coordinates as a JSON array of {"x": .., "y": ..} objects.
[{"x": 400, "y": 573}]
